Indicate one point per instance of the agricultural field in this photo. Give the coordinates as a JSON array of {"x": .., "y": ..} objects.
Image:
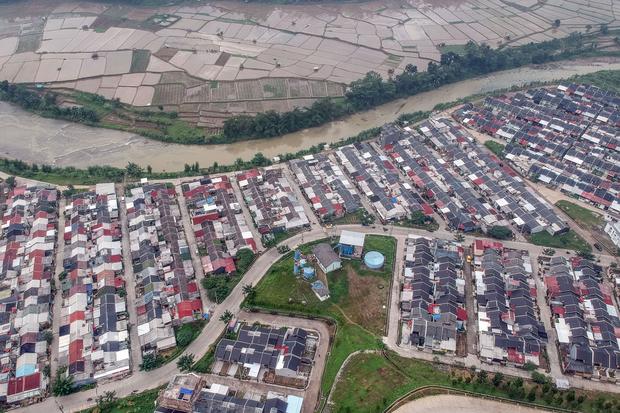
[{"x": 208, "y": 62}]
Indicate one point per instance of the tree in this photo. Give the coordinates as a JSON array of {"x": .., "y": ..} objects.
[
  {"x": 586, "y": 255},
  {"x": 48, "y": 336},
  {"x": 482, "y": 377},
  {"x": 184, "y": 335},
  {"x": 226, "y": 317},
  {"x": 244, "y": 259},
  {"x": 185, "y": 362},
  {"x": 149, "y": 169},
  {"x": 249, "y": 292},
  {"x": 604, "y": 29},
  {"x": 411, "y": 68},
  {"x": 531, "y": 396},
  {"x": 499, "y": 232},
  {"x": 151, "y": 362},
  {"x": 10, "y": 181},
  {"x": 539, "y": 378},
  {"x": 106, "y": 401},
  {"x": 458, "y": 237},
  {"x": 418, "y": 218},
  {"x": 133, "y": 170},
  {"x": 557, "y": 23},
  {"x": 63, "y": 384},
  {"x": 498, "y": 378}
]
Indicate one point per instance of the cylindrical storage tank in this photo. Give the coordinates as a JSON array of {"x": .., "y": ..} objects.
[{"x": 374, "y": 260}]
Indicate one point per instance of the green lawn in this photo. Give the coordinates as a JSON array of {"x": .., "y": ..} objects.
[
  {"x": 371, "y": 382},
  {"x": 280, "y": 289},
  {"x": 582, "y": 216},
  {"x": 570, "y": 240}
]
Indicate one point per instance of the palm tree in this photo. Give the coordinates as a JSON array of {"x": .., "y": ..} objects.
[
  {"x": 226, "y": 317},
  {"x": 249, "y": 291},
  {"x": 185, "y": 362},
  {"x": 459, "y": 237}
]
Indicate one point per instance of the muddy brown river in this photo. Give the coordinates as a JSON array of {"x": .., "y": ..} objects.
[{"x": 35, "y": 139}]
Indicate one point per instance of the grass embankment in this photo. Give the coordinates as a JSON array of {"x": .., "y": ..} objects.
[
  {"x": 570, "y": 241},
  {"x": 371, "y": 382},
  {"x": 582, "y": 216},
  {"x": 357, "y": 297},
  {"x": 605, "y": 79},
  {"x": 143, "y": 402}
]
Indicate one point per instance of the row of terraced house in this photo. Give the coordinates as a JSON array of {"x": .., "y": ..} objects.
[
  {"x": 27, "y": 258},
  {"x": 166, "y": 289},
  {"x": 93, "y": 337},
  {"x": 218, "y": 223},
  {"x": 566, "y": 137}
]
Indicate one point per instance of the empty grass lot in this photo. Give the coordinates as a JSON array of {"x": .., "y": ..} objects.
[
  {"x": 582, "y": 216},
  {"x": 357, "y": 296},
  {"x": 570, "y": 241},
  {"x": 371, "y": 382}
]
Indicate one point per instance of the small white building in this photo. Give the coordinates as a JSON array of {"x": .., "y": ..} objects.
[
  {"x": 327, "y": 259},
  {"x": 613, "y": 229}
]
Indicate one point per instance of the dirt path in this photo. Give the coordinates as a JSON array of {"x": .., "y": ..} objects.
[{"x": 460, "y": 404}]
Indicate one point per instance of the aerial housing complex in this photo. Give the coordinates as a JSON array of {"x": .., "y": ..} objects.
[
  {"x": 432, "y": 298},
  {"x": 27, "y": 245},
  {"x": 326, "y": 186},
  {"x": 218, "y": 223},
  {"x": 509, "y": 328},
  {"x": 272, "y": 201},
  {"x": 497, "y": 184},
  {"x": 167, "y": 292},
  {"x": 93, "y": 336},
  {"x": 454, "y": 198},
  {"x": 566, "y": 137},
  {"x": 584, "y": 316},
  {"x": 378, "y": 179}
]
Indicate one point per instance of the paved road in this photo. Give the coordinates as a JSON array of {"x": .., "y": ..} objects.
[
  {"x": 130, "y": 282},
  {"x": 140, "y": 380},
  {"x": 60, "y": 255},
  {"x": 470, "y": 304},
  {"x": 545, "y": 316}
]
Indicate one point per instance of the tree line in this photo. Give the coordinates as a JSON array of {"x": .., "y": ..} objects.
[
  {"x": 45, "y": 104},
  {"x": 373, "y": 90}
]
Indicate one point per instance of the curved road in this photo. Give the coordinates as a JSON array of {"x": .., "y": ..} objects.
[{"x": 140, "y": 380}]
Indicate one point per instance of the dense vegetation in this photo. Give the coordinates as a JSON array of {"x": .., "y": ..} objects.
[
  {"x": 372, "y": 90},
  {"x": 499, "y": 232},
  {"x": 45, "y": 104}
]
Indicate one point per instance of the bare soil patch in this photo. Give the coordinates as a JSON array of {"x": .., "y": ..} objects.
[{"x": 367, "y": 296}]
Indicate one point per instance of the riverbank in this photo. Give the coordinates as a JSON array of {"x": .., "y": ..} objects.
[{"x": 34, "y": 139}]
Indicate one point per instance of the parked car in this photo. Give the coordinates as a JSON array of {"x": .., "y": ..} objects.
[{"x": 598, "y": 246}]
